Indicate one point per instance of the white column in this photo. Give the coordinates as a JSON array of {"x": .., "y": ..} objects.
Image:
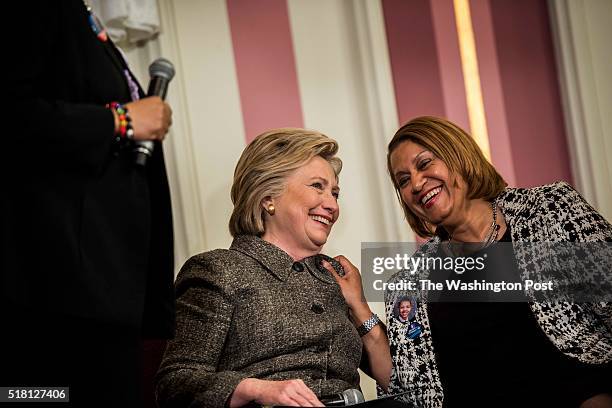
[
  {"x": 582, "y": 30},
  {"x": 208, "y": 134}
]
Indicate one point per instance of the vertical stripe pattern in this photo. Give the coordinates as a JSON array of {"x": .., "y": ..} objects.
[
  {"x": 414, "y": 60},
  {"x": 265, "y": 65},
  {"x": 471, "y": 76}
]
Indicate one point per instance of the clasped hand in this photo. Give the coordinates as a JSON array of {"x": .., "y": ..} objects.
[{"x": 151, "y": 118}]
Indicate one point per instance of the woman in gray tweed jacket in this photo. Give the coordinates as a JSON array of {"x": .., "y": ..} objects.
[
  {"x": 269, "y": 320},
  {"x": 527, "y": 354}
]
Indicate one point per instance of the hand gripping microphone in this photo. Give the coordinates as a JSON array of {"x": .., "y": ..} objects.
[
  {"x": 348, "y": 397},
  {"x": 161, "y": 71}
]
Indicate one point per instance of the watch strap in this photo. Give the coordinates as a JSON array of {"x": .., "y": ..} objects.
[{"x": 368, "y": 325}]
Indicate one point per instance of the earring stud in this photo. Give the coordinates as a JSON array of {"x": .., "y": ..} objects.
[{"x": 271, "y": 209}]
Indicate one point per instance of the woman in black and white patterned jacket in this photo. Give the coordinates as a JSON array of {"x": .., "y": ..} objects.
[{"x": 495, "y": 354}]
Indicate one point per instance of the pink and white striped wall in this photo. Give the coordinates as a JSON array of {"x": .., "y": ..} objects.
[
  {"x": 515, "y": 60},
  {"x": 517, "y": 73},
  {"x": 251, "y": 65}
]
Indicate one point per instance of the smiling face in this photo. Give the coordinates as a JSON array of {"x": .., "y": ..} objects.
[
  {"x": 306, "y": 210},
  {"x": 426, "y": 185},
  {"x": 404, "y": 309}
]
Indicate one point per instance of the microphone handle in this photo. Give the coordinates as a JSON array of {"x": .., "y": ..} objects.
[
  {"x": 337, "y": 401},
  {"x": 158, "y": 87},
  {"x": 144, "y": 148}
]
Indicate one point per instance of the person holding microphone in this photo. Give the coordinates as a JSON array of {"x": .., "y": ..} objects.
[{"x": 86, "y": 233}]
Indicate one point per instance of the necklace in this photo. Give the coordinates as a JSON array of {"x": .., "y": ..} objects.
[{"x": 491, "y": 235}]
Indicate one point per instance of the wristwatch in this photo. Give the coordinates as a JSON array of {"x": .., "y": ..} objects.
[{"x": 368, "y": 325}]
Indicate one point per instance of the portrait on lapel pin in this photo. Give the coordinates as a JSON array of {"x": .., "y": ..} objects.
[{"x": 404, "y": 311}]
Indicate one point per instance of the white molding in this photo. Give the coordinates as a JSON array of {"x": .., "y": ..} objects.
[
  {"x": 189, "y": 225},
  {"x": 575, "y": 35},
  {"x": 381, "y": 109},
  {"x": 571, "y": 98}
]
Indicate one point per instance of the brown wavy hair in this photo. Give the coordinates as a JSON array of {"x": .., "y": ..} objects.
[{"x": 456, "y": 148}]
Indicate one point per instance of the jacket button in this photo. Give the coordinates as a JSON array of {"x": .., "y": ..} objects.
[
  {"x": 317, "y": 308},
  {"x": 297, "y": 266}
]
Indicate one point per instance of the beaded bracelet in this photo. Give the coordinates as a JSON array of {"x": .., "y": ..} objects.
[{"x": 125, "y": 122}]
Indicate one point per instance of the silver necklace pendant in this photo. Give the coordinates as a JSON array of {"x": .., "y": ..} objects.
[{"x": 490, "y": 239}]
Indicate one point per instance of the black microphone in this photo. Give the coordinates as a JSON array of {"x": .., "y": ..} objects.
[
  {"x": 348, "y": 397},
  {"x": 161, "y": 71}
]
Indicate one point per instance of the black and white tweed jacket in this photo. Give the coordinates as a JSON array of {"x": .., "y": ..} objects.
[{"x": 551, "y": 213}]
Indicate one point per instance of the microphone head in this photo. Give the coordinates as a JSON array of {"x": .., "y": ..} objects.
[
  {"x": 163, "y": 68},
  {"x": 352, "y": 397}
]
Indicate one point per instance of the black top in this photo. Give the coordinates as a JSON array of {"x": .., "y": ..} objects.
[
  {"x": 495, "y": 354},
  {"x": 84, "y": 232}
]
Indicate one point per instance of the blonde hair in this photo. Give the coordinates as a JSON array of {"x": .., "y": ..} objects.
[
  {"x": 458, "y": 151},
  {"x": 264, "y": 166}
]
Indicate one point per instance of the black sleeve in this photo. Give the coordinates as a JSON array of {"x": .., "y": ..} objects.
[{"x": 48, "y": 117}]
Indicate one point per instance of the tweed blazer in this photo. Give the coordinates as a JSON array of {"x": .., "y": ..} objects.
[
  {"x": 251, "y": 311},
  {"x": 551, "y": 213}
]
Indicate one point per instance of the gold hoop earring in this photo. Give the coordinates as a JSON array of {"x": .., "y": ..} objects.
[{"x": 271, "y": 209}]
